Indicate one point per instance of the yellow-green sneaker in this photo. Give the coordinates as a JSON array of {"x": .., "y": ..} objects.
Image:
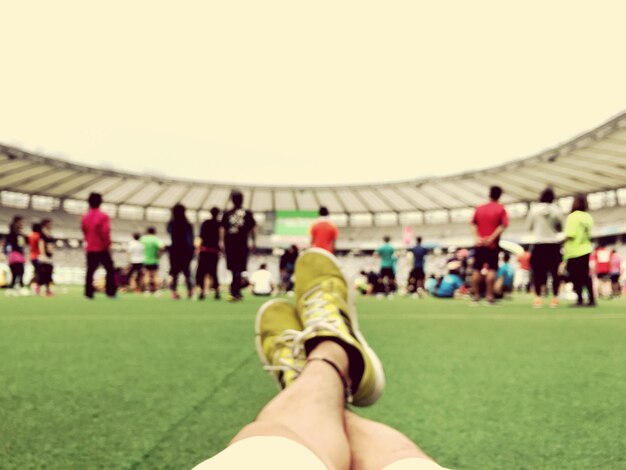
[
  {"x": 279, "y": 341},
  {"x": 327, "y": 312}
]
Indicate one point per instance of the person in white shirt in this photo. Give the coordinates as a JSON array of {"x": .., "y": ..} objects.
[
  {"x": 545, "y": 221},
  {"x": 261, "y": 281},
  {"x": 135, "y": 255}
]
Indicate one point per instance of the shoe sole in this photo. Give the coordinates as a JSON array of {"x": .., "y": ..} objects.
[
  {"x": 379, "y": 372},
  {"x": 257, "y": 337}
]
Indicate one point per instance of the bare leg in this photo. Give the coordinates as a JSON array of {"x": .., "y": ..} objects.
[
  {"x": 376, "y": 445},
  {"x": 476, "y": 280},
  {"x": 311, "y": 410},
  {"x": 490, "y": 281}
]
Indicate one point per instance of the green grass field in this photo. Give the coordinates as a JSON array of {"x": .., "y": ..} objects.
[{"x": 150, "y": 383}]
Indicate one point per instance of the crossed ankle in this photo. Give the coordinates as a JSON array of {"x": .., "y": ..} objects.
[{"x": 347, "y": 390}]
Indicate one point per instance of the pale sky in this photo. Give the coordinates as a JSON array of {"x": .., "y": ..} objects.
[{"x": 294, "y": 92}]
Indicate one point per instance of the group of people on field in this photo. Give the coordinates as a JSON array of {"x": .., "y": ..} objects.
[
  {"x": 561, "y": 251},
  {"x": 40, "y": 247},
  {"x": 228, "y": 234}
]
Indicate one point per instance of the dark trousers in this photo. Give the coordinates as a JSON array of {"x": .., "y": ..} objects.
[
  {"x": 578, "y": 269},
  {"x": 235, "y": 286},
  {"x": 17, "y": 274},
  {"x": 545, "y": 260},
  {"x": 207, "y": 265},
  {"x": 95, "y": 259}
]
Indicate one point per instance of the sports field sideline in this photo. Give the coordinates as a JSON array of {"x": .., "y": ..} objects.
[{"x": 151, "y": 383}]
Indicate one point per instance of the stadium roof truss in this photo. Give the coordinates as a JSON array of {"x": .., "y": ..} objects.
[{"x": 592, "y": 162}]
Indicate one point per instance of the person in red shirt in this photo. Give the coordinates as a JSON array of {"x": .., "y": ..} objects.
[
  {"x": 489, "y": 221},
  {"x": 96, "y": 227},
  {"x": 323, "y": 232}
]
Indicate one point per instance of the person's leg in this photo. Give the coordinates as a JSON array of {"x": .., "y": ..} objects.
[
  {"x": 573, "y": 268},
  {"x": 92, "y": 265},
  {"x": 374, "y": 445},
  {"x": 477, "y": 278},
  {"x": 538, "y": 266},
  {"x": 215, "y": 282},
  {"x": 107, "y": 262},
  {"x": 314, "y": 402},
  {"x": 586, "y": 279},
  {"x": 235, "y": 286},
  {"x": 490, "y": 280},
  {"x": 188, "y": 282},
  {"x": 201, "y": 273},
  {"x": 20, "y": 274},
  {"x": 13, "y": 269}
]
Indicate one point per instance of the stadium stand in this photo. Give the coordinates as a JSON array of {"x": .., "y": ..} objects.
[{"x": 438, "y": 209}]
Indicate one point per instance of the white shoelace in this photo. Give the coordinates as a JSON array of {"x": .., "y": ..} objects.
[
  {"x": 294, "y": 340},
  {"x": 317, "y": 317}
]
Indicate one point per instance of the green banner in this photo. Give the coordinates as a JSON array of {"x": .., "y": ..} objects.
[{"x": 294, "y": 222}]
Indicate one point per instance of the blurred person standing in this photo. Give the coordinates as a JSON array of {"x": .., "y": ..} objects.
[
  {"x": 152, "y": 249},
  {"x": 14, "y": 247},
  {"x": 237, "y": 226},
  {"x": 324, "y": 232},
  {"x": 545, "y": 222},
  {"x": 387, "y": 256},
  {"x": 489, "y": 222},
  {"x": 96, "y": 226},
  {"x": 135, "y": 257},
  {"x": 181, "y": 249},
  {"x": 415, "y": 283},
  {"x": 577, "y": 248},
  {"x": 616, "y": 273},
  {"x": 209, "y": 254},
  {"x": 33, "y": 254},
  {"x": 46, "y": 250}
]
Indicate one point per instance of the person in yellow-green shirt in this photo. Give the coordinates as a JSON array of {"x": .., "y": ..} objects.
[{"x": 577, "y": 249}]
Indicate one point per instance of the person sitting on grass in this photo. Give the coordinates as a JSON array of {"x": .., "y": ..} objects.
[
  {"x": 504, "y": 278},
  {"x": 451, "y": 282},
  {"x": 321, "y": 362},
  {"x": 261, "y": 282}
]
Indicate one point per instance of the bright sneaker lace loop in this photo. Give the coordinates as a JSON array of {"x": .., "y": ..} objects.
[
  {"x": 292, "y": 339},
  {"x": 318, "y": 317}
]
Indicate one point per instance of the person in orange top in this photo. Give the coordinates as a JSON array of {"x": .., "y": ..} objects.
[
  {"x": 323, "y": 232},
  {"x": 33, "y": 244}
]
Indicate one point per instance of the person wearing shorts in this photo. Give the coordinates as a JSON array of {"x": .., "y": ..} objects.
[
  {"x": 415, "y": 283},
  {"x": 135, "y": 255},
  {"x": 321, "y": 361},
  {"x": 488, "y": 223},
  {"x": 387, "y": 256},
  {"x": 153, "y": 247}
]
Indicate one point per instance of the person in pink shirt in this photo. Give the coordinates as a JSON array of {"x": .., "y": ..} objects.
[{"x": 96, "y": 227}]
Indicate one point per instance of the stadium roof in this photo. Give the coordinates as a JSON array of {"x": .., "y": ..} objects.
[{"x": 592, "y": 162}]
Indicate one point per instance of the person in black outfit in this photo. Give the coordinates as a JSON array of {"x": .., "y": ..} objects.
[
  {"x": 181, "y": 248},
  {"x": 14, "y": 247},
  {"x": 209, "y": 253},
  {"x": 46, "y": 250},
  {"x": 237, "y": 226}
]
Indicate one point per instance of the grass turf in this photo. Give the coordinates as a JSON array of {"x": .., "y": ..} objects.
[{"x": 150, "y": 383}]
